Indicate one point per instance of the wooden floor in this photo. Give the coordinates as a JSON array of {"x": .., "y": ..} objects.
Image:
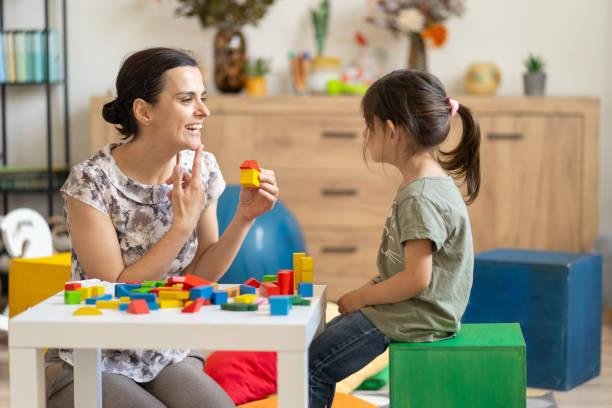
[{"x": 596, "y": 393}]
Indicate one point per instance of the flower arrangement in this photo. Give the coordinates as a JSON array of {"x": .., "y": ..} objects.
[
  {"x": 224, "y": 13},
  {"x": 421, "y": 20}
]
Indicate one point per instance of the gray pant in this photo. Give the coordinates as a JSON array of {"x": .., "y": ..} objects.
[{"x": 180, "y": 385}]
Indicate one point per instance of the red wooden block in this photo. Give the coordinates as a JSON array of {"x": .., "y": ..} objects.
[
  {"x": 268, "y": 289},
  {"x": 252, "y": 282},
  {"x": 138, "y": 306},
  {"x": 175, "y": 279},
  {"x": 194, "y": 306},
  {"x": 72, "y": 286},
  {"x": 285, "y": 281},
  {"x": 250, "y": 164},
  {"x": 191, "y": 281}
]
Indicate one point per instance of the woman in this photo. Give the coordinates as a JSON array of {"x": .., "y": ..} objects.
[{"x": 136, "y": 213}]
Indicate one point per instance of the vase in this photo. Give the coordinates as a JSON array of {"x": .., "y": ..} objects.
[
  {"x": 230, "y": 58},
  {"x": 417, "y": 56},
  {"x": 256, "y": 86},
  {"x": 534, "y": 84}
]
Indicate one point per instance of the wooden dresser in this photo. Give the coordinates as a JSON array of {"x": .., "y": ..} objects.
[{"x": 539, "y": 164}]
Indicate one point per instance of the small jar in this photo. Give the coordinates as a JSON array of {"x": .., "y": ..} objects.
[{"x": 323, "y": 70}]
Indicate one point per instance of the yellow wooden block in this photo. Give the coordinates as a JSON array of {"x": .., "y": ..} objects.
[
  {"x": 173, "y": 295},
  {"x": 306, "y": 263},
  {"x": 87, "y": 311},
  {"x": 233, "y": 291},
  {"x": 97, "y": 291},
  {"x": 125, "y": 299},
  {"x": 297, "y": 271},
  {"x": 178, "y": 286},
  {"x": 307, "y": 276},
  {"x": 33, "y": 280},
  {"x": 249, "y": 178},
  {"x": 107, "y": 304},
  {"x": 248, "y": 298},
  {"x": 170, "y": 303},
  {"x": 86, "y": 293}
]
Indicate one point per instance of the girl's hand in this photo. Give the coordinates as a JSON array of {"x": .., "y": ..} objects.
[
  {"x": 351, "y": 302},
  {"x": 188, "y": 195},
  {"x": 257, "y": 201}
]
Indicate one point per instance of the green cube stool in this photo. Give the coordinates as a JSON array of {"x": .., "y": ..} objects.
[{"x": 482, "y": 367}]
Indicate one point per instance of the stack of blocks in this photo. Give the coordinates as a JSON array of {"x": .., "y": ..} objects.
[
  {"x": 249, "y": 174},
  {"x": 482, "y": 367},
  {"x": 556, "y": 298}
]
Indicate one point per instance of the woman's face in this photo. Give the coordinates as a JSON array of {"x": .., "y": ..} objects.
[{"x": 180, "y": 110}]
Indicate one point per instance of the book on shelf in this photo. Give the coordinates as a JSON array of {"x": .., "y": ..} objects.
[{"x": 24, "y": 57}]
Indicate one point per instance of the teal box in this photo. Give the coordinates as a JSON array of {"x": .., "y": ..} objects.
[{"x": 482, "y": 367}]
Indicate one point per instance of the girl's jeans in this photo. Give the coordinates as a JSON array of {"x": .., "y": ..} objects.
[{"x": 347, "y": 344}]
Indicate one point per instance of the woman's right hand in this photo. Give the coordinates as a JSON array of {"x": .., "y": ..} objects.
[{"x": 188, "y": 194}]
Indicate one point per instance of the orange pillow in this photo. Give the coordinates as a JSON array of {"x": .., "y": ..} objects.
[{"x": 340, "y": 401}]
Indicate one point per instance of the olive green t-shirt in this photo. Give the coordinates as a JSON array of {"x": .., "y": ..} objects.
[{"x": 427, "y": 208}]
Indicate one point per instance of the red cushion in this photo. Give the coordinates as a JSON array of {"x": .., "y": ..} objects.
[{"x": 245, "y": 375}]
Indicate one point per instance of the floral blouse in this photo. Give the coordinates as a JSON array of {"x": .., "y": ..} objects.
[{"x": 141, "y": 214}]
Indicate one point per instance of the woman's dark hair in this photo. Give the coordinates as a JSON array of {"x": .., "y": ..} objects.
[
  {"x": 417, "y": 102},
  {"x": 141, "y": 76}
]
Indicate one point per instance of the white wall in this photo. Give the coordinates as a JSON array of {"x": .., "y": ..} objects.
[{"x": 575, "y": 39}]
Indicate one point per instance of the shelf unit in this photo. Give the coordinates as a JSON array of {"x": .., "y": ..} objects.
[{"x": 47, "y": 178}]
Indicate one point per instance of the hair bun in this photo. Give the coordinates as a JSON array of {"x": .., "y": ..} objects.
[{"x": 111, "y": 112}]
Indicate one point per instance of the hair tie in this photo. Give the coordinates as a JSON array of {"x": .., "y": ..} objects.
[{"x": 454, "y": 105}]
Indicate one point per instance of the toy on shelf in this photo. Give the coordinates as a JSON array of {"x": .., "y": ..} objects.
[{"x": 249, "y": 174}]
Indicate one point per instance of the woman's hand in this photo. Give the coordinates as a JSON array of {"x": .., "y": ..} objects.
[
  {"x": 188, "y": 195},
  {"x": 352, "y": 301},
  {"x": 257, "y": 201}
]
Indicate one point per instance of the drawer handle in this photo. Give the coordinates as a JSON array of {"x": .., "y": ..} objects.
[
  {"x": 349, "y": 249},
  {"x": 335, "y": 192},
  {"x": 504, "y": 136},
  {"x": 339, "y": 135}
]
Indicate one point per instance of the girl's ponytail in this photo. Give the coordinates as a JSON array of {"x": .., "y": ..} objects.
[{"x": 463, "y": 162}]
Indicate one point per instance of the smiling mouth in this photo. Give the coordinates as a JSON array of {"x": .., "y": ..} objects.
[{"x": 194, "y": 126}]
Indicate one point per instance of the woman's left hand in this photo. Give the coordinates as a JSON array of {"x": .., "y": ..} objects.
[
  {"x": 257, "y": 201},
  {"x": 351, "y": 302}
]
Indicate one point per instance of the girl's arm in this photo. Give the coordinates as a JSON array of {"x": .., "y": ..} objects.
[{"x": 406, "y": 284}]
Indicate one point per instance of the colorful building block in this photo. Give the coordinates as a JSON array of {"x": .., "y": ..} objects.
[
  {"x": 249, "y": 174},
  {"x": 307, "y": 276},
  {"x": 72, "y": 286},
  {"x": 269, "y": 278},
  {"x": 297, "y": 271},
  {"x": 239, "y": 307},
  {"x": 171, "y": 303},
  {"x": 305, "y": 289},
  {"x": 87, "y": 311},
  {"x": 97, "y": 291},
  {"x": 173, "y": 295},
  {"x": 252, "y": 282},
  {"x": 107, "y": 304},
  {"x": 204, "y": 292},
  {"x": 219, "y": 297},
  {"x": 192, "y": 281},
  {"x": 193, "y": 306},
  {"x": 233, "y": 291},
  {"x": 94, "y": 299},
  {"x": 280, "y": 305},
  {"x": 142, "y": 289},
  {"x": 247, "y": 289},
  {"x": 124, "y": 289},
  {"x": 175, "y": 279},
  {"x": 285, "y": 281},
  {"x": 246, "y": 298},
  {"x": 482, "y": 367},
  {"x": 72, "y": 297},
  {"x": 268, "y": 289},
  {"x": 149, "y": 297},
  {"x": 86, "y": 293},
  {"x": 138, "y": 306}
]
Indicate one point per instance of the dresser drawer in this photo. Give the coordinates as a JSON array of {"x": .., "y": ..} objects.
[
  {"x": 345, "y": 257},
  {"x": 313, "y": 141},
  {"x": 319, "y": 197}
]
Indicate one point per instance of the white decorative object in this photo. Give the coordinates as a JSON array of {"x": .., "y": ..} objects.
[{"x": 26, "y": 234}]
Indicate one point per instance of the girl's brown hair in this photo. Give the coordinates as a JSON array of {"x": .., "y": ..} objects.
[{"x": 417, "y": 102}]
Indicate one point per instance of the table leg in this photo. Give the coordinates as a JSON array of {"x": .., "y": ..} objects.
[
  {"x": 27, "y": 377},
  {"x": 87, "y": 379},
  {"x": 292, "y": 379}
]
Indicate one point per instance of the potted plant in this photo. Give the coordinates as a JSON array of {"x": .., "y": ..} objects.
[
  {"x": 228, "y": 17},
  {"x": 419, "y": 20},
  {"x": 256, "y": 70},
  {"x": 323, "y": 68},
  {"x": 534, "y": 80}
]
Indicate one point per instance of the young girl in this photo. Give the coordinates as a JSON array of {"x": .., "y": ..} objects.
[{"x": 426, "y": 256}]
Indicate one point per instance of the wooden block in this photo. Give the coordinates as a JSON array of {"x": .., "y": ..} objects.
[
  {"x": 193, "y": 306},
  {"x": 173, "y": 295},
  {"x": 285, "y": 281},
  {"x": 93, "y": 300},
  {"x": 246, "y": 298},
  {"x": 306, "y": 263},
  {"x": 138, "y": 306},
  {"x": 87, "y": 311},
  {"x": 192, "y": 281},
  {"x": 297, "y": 271},
  {"x": 172, "y": 303},
  {"x": 249, "y": 178},
  {"x": 72, "y": 297},
  {"x": 305, "y": 289},
  {"x": 280, "y": 305},
  {"x": 307, "y": 276},
  {"x": 268, "y": 289},
  {"x": 219, "y": 297},
  {"x": 233, "y": 291},
  {"x": 86, "y": 293},
  {"x": 97, "y": 291},
  {"x": 239, "y": 307},
  {"x": 248, "y": 289},
  {"x": 107, "y": 304},
  {"x": 252, "y": 282},
  {"x": 269, "y": 278},
  {"x": 72, "y": 286}
]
